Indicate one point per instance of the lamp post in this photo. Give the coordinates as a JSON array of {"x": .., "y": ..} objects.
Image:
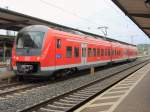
[{"x": 147, "y": 3}]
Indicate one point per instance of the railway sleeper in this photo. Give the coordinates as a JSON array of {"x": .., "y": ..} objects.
[
  {"x": 63, "y": 104},
  {"x": 82, "y": 95},
  {"x": 90, "y": 92},
  {"x": 48, "y": 110},
  {"x": 71, "y": 101},
  {"x": 86, "y": 93},
  {"x": 74, "y": 100},
  {"x": 76, "y": 95},
  {"x": 54, "y": 107}
]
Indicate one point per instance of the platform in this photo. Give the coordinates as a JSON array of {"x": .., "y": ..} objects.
[
  {"x": 5, "y": 73},
  {"x": 130, "y": 95}
]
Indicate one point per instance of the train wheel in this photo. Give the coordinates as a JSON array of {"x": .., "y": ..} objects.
[
  {"x": 58, "y": 74},
  {"x": 75, "y": 70}
]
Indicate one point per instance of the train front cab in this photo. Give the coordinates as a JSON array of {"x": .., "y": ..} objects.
[{"x": 29, "y": 51}]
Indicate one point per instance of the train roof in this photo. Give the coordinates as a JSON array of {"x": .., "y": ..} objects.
[
  {"x": 81, "y": 33},
  {"x": 84, "y": 34},
  {"x": 104, "y": 38}
]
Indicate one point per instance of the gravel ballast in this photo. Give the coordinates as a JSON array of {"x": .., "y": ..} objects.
[{"x": 49, "y": 91}]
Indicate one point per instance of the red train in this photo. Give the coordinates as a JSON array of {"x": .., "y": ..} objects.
[{"x": 40, "y": 50}]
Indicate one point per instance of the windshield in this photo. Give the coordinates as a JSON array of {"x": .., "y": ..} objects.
[{"x": 32, "y": 39}]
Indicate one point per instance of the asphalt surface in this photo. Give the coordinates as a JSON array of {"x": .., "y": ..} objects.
[
  {"x": 139, "y": 98},
  {"x": 3, "y": 69},
  {"x": 130, "y": 95}
]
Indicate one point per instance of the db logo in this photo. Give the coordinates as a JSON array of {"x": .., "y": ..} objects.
[{"x": 27, "y": 59}]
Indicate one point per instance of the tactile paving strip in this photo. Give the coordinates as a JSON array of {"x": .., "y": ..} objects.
[{"x": 110, "y": 99}]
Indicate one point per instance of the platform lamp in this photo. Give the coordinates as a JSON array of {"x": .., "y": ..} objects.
[{"x": 147, "y": 3}]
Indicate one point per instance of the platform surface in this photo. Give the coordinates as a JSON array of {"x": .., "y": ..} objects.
[
  {"x": 5, "y": 73},
  {"x": 3, "y": 69},
  {"x": 130, "y": 95}
]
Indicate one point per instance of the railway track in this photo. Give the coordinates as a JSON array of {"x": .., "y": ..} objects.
[
  {"x": 8, "y": 90},
  {"x": 71, "y": 100},
  {"x": 16, "y": 88}
]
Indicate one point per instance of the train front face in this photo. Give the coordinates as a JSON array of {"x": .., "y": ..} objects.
[{"x": 27, "y": 50}]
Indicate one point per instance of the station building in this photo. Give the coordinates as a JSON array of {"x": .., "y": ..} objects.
[{"x": 6, "y": 43}]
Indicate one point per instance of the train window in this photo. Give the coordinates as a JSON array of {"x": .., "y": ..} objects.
[
  {"x": 108, "y": 52},
  {"x": 126, "y": 52},
  {"x": 58, "y": 43},
  {"x": 105, "y": 52},
  {"x": 102, "y": 52},
  {"x": 69, "y": 52},
  {"x": 76, "y": 52},
  {"x": 83, "y": 52},
  {"x": 94, "y": 51},
  {"x": 112, "y": 52},
  {"x": 98, "y": 52},
  {"x": 89, "y": 52}
]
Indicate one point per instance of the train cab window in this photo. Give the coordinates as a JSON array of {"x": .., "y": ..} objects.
[
  {"x": 98, "y": 52},
  {"x": 76, "y": 52},
  {"x": 58, "y": 43},
  {"x": 69, "y": 52},
  {"x": 94, "y": 51},
  {"x": 30, "y": 39}
]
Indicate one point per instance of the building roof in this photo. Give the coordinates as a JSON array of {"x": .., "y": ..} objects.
[
  {"x": 138, "y": 11},
  {"x": 7, "y": 40}
]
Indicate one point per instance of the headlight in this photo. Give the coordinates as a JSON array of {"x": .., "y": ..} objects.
[
  {"x": 38, "y": 58},
  {"x": 17, "y": 58}
]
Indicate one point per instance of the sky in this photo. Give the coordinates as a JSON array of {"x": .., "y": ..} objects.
[{"x": 85, "y": 15}]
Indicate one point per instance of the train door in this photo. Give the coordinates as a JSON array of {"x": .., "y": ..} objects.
[
  {"x": 84, "y": 53},
  {"x": 58, "y": 52}
]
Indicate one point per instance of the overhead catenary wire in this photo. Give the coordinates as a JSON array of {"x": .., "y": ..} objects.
[{"x": 71, "y": 13}]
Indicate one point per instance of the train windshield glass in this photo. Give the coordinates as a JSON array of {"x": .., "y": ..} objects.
[{"x": 32, "y": 39}]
